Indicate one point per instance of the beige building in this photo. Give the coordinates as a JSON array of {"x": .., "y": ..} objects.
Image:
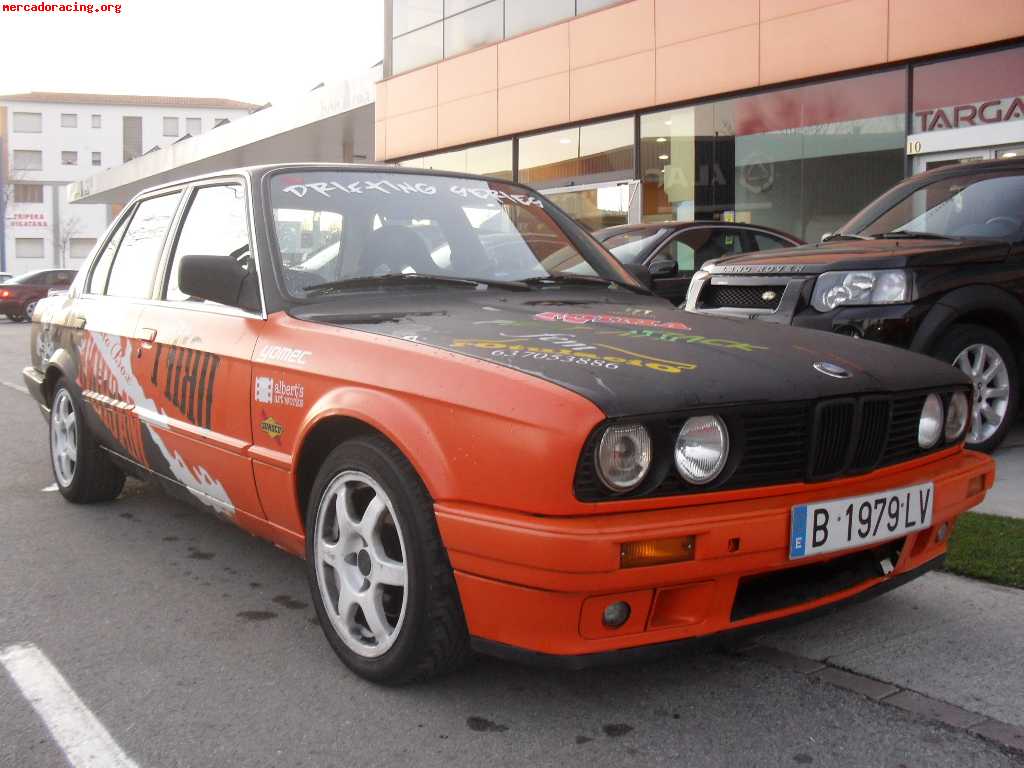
[{"x": 790, "y": 113}]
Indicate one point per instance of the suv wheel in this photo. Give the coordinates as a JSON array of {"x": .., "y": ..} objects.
[
  {"x": 84, "y": 473},
  {"x": 989, "y": 361},
  {"x": 379, "y": 575}
]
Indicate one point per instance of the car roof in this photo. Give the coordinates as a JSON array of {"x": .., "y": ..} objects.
[
  {"x": 972, "y": 166},
  {"x": 253, "y": 171}
]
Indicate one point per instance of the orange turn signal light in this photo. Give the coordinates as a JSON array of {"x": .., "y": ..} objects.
[{"x": 634, "y": 554}]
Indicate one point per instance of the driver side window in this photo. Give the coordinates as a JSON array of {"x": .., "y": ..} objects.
[{"x": 215, "y": 225}]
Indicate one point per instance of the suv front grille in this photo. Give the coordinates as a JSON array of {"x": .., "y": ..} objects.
[
  {"x": 740, "y": 296},
  {"x": 781, "y": 443}
]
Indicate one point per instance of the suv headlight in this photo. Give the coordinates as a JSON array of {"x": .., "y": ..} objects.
[
  {"x": 623, "y": 456},
  {"x": 863, "y": 288},
  {"x": 702, "y": 449}
]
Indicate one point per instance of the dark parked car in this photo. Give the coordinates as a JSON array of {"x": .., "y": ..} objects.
[
  {"x": 933, "y": 265},
  {"x": 5, "y": 276},
  {"x": 672, "y": 251},
  {"x": 19, "y": 295}
]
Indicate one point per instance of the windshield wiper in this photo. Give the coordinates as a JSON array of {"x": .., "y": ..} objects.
[
  {"x": 844, "y": 236},
  {"x": 402, "y": 277},
  {"x": 564, "y": 278},
  {"x": 909, "y": 233}
]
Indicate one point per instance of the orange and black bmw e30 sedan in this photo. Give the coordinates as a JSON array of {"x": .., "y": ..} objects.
[{"x": 479, "y": 430}]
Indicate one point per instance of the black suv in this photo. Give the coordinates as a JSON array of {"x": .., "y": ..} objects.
[{"x": 935, "y": 265}]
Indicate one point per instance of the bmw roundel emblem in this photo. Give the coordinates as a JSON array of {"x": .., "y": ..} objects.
[{"x": 833, "y": 370}]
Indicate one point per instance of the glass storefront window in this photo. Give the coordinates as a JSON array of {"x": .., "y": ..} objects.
[
  {"x": 417, "y": 48},
  {"x": 800, "y": 159},
  {"x": 413, "y": 14},
  {"x": 584, "y": 155},
  {"x": 972, "y": 90},
  {"x": 473, "y": 28},
  {"x": 522, "y": 17},
  {"x": 586, "y": 6},
  {"x": 485, "y": 160}
]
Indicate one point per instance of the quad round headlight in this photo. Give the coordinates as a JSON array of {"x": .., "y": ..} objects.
[
  {"x": 702, "y": 448},
  {"x": 624, "y": 456},
  {"x": 956, "y": 417},
  {"x": 930, "y": 427}
]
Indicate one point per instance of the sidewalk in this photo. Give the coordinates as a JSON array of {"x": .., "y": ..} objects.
[
  {"x": 1007, "y": 497},
  {"x": 952, "y": 639}
]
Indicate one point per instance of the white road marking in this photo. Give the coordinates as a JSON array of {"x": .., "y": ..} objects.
[
  {"x": 18, "y": 387},
  {"x": 82, "y": 738}
]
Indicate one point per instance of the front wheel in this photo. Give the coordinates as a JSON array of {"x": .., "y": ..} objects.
[
  {"x": 988, "y": 360},
  {"x": 84, "y": 473},
  {"x": 379, "y": 575}
]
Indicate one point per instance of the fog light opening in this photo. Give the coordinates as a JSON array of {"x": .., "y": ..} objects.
[
  {"x": 734, "y": 545},
  {"x": 942, "y": 533},
  {"x": 616, "y": 614}
]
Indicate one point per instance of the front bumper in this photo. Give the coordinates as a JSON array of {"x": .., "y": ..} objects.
[
  {"x": 34, "y": 383},
  {"x": 535, "y": 587}
]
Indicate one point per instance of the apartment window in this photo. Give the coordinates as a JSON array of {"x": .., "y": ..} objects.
[
  {"x": 28, "y": 247},
  {"x": 27, "y": 122},
  {"x": 194, "y": 125},
  {"x": 473, "y": 28},
  {"x": 28, "y": 160},
  {"x": 170, "y": 126},
  {"x": 81, "y": 247},
  {"x": 97, "y": 121},
  {"x": 68, "y": 157},
  {"x": 97, "y": 158},
  {"x": 28, "y": 193},
  {"x": 523, "y": 17},
  {"x": 493, "y": 159},
  {"x": 68, "y": 120},
  {"x": 131, "y": 133}
]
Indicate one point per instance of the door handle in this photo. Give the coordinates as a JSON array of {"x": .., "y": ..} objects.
[
  {"x": 77, "y": 322},
  {"x": 146, "y": 337}
]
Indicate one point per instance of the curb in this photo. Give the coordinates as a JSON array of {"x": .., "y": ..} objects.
[{"x": 1005, "y": 735}]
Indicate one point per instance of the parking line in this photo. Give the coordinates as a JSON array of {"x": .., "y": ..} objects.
[
  {"x": 18, "y": 387},
  {"x": 82, "y": 738}
]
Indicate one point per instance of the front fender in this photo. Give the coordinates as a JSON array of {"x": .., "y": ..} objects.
[{"x": 956, "y": 304}]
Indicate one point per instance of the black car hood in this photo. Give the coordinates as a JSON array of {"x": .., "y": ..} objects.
[
  {"x": 631, "y": 354},
  {"x": 860, "y": 254}
]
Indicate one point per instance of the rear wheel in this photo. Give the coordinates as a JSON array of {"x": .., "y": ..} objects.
[
  {"x": 988, "y": 360},
  {"x": 380, "y": 579},
  {"x": 29, "y": 309},
  {"x": 84, "y": 473}
]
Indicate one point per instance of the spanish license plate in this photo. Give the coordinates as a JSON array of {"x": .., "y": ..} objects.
[{"x": 828, "y": 526}]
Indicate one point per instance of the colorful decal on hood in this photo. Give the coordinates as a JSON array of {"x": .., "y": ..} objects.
[
  {"x": 106, "y": 361},
  {"x": 683, "y": 338},
  {"x": 625, "y": 358},
  {"x": 580, "y": 318}
]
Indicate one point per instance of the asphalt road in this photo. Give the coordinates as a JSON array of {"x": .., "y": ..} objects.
[{"x": 195, "y": 645}]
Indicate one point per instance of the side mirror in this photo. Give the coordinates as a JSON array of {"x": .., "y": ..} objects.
[
  {"x": 663, "y": 268},
  {"x": 228, "y": 280}
]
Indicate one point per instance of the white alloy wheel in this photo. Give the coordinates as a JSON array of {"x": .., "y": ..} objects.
[
  {"x": 63, "y": 438},
  {"x": 360, "y": 563},
  {"x": 991, "y": 396}
]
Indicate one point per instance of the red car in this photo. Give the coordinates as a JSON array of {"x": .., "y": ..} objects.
[{"x": 18, "y": 296}]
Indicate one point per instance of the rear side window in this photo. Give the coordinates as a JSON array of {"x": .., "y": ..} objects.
[
  {"x": 138, "y": 256},
  {"x": 215, "y": 225}
]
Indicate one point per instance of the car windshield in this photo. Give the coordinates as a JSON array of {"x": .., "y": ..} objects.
[
  {"x": 978, "y": 205},
  {"x": 29, "y": 278},
  {"x": 358, "y": 230},
  {"x": 632, "y": 245}
]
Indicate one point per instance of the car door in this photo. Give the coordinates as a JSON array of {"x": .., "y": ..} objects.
[
  {"x": 195, "y": 358},
  {"x": 103, "y": 320},
  {"x": 689, "y": 250}
]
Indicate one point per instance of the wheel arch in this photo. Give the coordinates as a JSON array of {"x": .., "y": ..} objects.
[
  {"x": 59, "y": 366},
  {"x": 353, "y": 413},
  {"x": 983, "y": 305}
]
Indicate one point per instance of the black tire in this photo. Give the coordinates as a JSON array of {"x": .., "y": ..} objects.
[
  {"x": 95, "y": 477},
  {"x": 433, "y": 638},
  {"x": 960, "y": 337},
  {"x": 29, "y": 309}
]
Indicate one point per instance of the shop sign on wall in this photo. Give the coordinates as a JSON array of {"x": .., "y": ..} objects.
[
  {"x": 961, "y": 115},
  {"x": 28, "y": 220}
]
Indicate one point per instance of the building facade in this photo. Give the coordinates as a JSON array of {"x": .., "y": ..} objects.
[
  {"x": 51, "y": 140},
  {"x": 788, "y": 113}
]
